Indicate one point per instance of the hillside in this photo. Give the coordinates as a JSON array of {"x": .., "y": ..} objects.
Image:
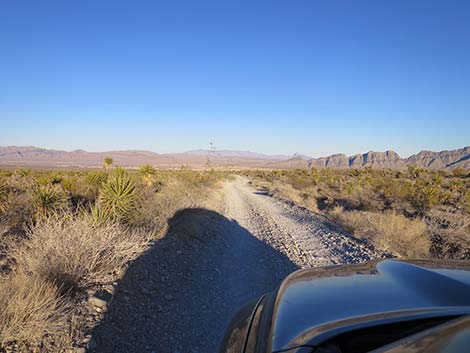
[
  {"x": 41, "y": 157},
  {"x": 459, "y": 158}
]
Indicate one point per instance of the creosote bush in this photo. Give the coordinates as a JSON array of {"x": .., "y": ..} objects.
[
  {"x": 73, "y": 253},
  {"x": 389, "y": 231},
  {"x": 30, "y": 308}
]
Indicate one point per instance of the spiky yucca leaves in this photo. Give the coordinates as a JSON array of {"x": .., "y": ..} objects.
[
  {"x": 93, "y": 182},
  {"x": 48, "y": 199},
  {"x": 69, "y": 183},
  {"x": 147, "y": 172},
  {"x": 107, "y": 163},
  {"x": 96, "y": 178},
  {"x": 24, "y": 172},
  {"x": 118, "y": 195},
  {"x": 3, "y": 196},
  {"x": 21, "y": 180},
  {"x": 96, "y": 214}
]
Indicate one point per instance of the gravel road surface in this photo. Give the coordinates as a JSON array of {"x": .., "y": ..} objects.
[{"x": 181, "y": 294}]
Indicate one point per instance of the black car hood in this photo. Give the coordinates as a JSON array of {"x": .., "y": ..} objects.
[{"x": 313, "y": 305}]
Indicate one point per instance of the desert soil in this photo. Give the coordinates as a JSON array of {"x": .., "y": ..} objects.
[{"x": 181, "y": 294}]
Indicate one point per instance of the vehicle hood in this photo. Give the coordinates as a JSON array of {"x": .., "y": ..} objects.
[{"x": 316, "y": 304}]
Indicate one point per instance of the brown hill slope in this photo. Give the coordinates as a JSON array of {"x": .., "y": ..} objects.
[
  {"x": 459, "y": 158},
  {"x": 41, "y": 157}
]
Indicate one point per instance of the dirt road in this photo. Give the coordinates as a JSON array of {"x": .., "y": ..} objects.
[{"x": 181, "y": 294}]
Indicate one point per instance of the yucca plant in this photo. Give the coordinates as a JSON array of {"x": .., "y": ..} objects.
[
  {"x": 69, "y": 183},
  {"x": 107, "y": 163},
  {"x": 118, "y": 195},
  {"x": 21, "y": 179},
  {"x": 24, "y": 173},
  {"x": 48, "y": 199},
  {"x": 147, "y": 172},
  {"x": 94, "y": 181},
  {"x": 3, "y": 196},
  {"x": 96, "y": 214},
  {"x": 96, "y": 178},
  {"x": 43, "y": 180}
]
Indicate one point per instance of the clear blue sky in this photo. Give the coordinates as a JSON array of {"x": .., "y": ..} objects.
[{"x": 308, "y": 76}]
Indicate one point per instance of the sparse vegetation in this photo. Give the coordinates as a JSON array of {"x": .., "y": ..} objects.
[
  {"x": 65, "y": 232},
  {"x": 30, "y": 309},
  {"x": 86, "y": 254},
  {"x": 388, "y": 230},
  {"x": 119, "y": 196},
  {"x": 108, "y": 161},
  {"x": 147, "y": 172},
  {"x": 412, "y": 213},
  {"x": 48, "y": 198}
]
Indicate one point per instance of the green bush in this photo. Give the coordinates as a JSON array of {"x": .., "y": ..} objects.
[
  {"x": 119, "y": 195},
  {"x": 48, "y": 199}
]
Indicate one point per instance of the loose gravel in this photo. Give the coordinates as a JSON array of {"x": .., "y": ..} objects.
[{"x": 181, "y": 294}]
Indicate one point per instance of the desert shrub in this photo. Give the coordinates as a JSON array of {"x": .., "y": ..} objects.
[
  {"x": 108, "y": 161},
  {"x": 450, "y": 234},
  {"x": 465, "y": 201},
  {"x": 19, "y": 212},
  {"x": 424, "y": 195},
  {"x": 21, "y": 180},
  {"x": 74, "y": 253},
  {"x": 416, "y": 172},
  {"x": 3, "y": 196},
  {"x": 315, "y": 175},
  {"x": 460, "y": 173},
  {"x": 96, "y": 214},
  {"x": 30, "y": 308},
  {"x": 92, "y": 184},
  {"x": 393, "y": 190},
  {"x": 119, "y": 195},
  {"x": 147, "y": 172},
  {"x": 300, "y": 181},
  {"x": 69, "y": 184},
  {"x": 389, "y": 231},
  {"x": 96, "y": 179},
  {"x": 46, "y": 179},
  {"x": 47, "y": 199}
]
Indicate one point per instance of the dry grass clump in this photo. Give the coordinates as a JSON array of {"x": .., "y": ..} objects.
[
  {"x": 450, "y": 234},
  {"x": 30, "y": 308},
  {"x": 67, "y": 231},
  {"x": 74, "y": 253},
  {"x": 389, "y": 231}
]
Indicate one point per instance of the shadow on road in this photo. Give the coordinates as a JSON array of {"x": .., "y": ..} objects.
[{"x": 180, "y": 295}]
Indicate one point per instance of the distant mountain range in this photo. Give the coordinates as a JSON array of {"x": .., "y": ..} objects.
[
  {"x": 459, "y": 158},
  {"x": 40, "y": 157},
  {"x": 30, "y": 156}
]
